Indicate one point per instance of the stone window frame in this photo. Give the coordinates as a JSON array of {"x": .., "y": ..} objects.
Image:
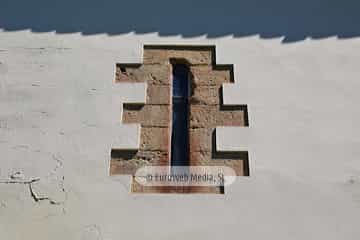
[{"x": 192, "y": 56}]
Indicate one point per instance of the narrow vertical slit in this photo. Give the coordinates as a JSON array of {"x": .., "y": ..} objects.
[{"x": 180, "y": 112}]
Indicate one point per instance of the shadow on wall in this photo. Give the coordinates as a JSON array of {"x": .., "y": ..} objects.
[{"x": 293, "y": 20}]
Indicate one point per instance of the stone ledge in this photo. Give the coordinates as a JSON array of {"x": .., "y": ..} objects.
[
  {"x": 147, "y": 115},
  {"x": 205, "y": 116},
  {"x": 157, "y": 75},
  {"x": 192, "y": 55}
]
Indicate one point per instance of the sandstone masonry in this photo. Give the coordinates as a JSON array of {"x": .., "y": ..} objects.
[{"x": 206, "y": 112}]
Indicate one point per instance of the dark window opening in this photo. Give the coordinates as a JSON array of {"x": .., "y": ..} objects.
[
  {"x": 180, "y": 113},
  {"x": 123, "y": 70}
]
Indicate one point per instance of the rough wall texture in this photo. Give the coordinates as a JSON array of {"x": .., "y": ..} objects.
[
  {"x": 60, "y": 116},
  {"x": 206, "y": 112}
]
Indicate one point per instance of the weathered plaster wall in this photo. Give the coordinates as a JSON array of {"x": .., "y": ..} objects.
[{"x": 60, "y": 116}]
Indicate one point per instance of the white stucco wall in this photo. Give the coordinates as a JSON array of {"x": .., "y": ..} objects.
[{"x": 60, "y": 116}]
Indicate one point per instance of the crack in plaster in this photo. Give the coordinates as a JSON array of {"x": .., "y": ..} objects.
[
  {"x": 35, "y": 195},
  {"x": 18, "y": 178},
  {"x": 37, "y": 198}
]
